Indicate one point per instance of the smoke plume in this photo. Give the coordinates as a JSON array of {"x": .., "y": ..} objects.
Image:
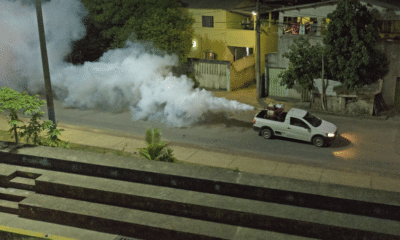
[{"x": 132, "y": 78}]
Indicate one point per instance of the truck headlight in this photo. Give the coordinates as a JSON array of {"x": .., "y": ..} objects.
[{"x": 330, "y": 134}]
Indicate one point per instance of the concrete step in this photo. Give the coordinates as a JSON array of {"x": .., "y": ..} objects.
[
  {"x": 10, "y": 197},
  {"x": 24, "y": 179},
  {"x": 216, "y": 208},
  {"x": 133, "y": 223},
  {"x": 22, "y": 183},
  {"x": 15, "y": 195},
  {"x": 27, "y": 174},
  {"x": 302, "y": 193},
  {"x": 7, "y": 173},
  {"x": 8, "y": 207}
]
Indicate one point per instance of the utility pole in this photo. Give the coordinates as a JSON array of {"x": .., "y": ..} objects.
[
  {"x": 323, "y": 97},
  {"x": 45, "y": 63},
  {"x": 258, "y": 72}
]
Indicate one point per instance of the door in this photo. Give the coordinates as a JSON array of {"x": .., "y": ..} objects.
[
  {"x": 275, "y": 88},
  {"x": 298, "y": 129}
]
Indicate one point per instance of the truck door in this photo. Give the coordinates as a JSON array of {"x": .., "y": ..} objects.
[{"x": 298, "y": 129}]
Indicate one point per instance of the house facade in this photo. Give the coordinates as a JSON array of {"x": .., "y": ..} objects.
[
  {"x": 311, "y": 20},
  {"x": 224, "y": 46}
]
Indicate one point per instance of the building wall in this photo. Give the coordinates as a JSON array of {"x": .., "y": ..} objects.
[
  {"x": 286, "y": 40},
  {"x": 268, "y": 43},
  {"x": 210, "y": 39},
  {"x": 234, "y": 21},
  {"x": 240, "y": 38},
  {"x": 242, "y": 72},
  {"x": 220, "y": 38},
  {"x": 392, "y": 49},
  {"x": 218, "y": 14}
]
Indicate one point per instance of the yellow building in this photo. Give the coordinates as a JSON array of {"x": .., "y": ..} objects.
[{"x": 224, "y": 45}]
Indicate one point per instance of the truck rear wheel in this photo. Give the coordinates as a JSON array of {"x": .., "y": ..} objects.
[
  {"x": 319, "y": 141},
  {"x": 267, "y": 133}
]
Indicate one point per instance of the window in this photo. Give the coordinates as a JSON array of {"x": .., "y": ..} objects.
[
  {"x": 208, "y": 21},
  {"x": 210, "y": 54},
  {"x": 299, "y": 25},
  {"x": 297, "y": 122},
  {"x": 313, "y": 120}
]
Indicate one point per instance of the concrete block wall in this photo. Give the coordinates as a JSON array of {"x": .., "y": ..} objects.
[{"x": 357, "y": 106}]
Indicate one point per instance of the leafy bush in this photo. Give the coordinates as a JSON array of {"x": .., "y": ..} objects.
[{"x": 14, "y": 101}]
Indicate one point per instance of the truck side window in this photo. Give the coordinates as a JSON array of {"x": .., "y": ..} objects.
[{"x": 297, "y": 122}]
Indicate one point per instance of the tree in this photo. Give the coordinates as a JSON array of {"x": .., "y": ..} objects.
[
  {"x": 305, "y": 65},
  {"x": 350, "y": 45},
  {"x": 162, "y": 22},
  {"x": 91, "y": 47},
  {"x": 14, "y": 101}
]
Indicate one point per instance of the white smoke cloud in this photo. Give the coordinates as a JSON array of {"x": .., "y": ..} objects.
[
  {"x": 132, "y": 78},
  {"x": 20, "y": 56}
]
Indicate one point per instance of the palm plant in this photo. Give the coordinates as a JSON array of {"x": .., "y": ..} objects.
[{"x": 156, "y": 149}]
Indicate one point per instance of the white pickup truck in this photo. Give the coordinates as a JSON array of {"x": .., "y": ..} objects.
[{"x": 297, "y": 124}]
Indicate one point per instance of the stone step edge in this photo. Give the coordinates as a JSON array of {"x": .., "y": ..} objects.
[
  {"x": 216, "y": 181},
  {"x": 127, "y": 222},
  {"x": 22, "y": 183},
  {"x": 9, "y": 207},
  {"x": 233, "y": 213}
]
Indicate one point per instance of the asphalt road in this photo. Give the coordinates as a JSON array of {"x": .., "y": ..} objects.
[{"x": 365, "y": 145}]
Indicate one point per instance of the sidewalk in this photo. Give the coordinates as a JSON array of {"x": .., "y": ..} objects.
[{"x": 90, "y": 137}]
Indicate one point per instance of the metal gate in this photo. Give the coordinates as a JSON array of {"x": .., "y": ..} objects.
[
  {"x": 275, "y": 88},
  {"x": 212, "y": 75},
  {"x": 305, "y": 95}
]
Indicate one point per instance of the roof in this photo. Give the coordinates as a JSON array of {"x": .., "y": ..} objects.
[
  {"x": 296, "y": 112},
  {"x": 216, "y": 4},
  {"x": 239, "y": 6},
  {"x": 389, "y": 4},
  {"x": 309, "y": 5}
]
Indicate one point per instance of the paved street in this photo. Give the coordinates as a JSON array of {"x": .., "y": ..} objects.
[{"x": 365, "y": 146}]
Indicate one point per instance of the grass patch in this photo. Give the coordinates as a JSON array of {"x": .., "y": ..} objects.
[{"x": 5, "y": 136}]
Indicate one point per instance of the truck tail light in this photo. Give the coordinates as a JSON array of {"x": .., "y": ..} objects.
[{"x": 254, "y": 121}]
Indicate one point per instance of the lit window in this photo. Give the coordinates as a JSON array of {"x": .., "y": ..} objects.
[{"x": 194, "y": 43}]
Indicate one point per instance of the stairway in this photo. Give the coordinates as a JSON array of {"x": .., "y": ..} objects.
[
  {"x": 14, "y": 188},
  {"x": 149, "y": 208}
]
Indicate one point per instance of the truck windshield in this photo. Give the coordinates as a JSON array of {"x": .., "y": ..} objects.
[{"x": 313, "y": 120}]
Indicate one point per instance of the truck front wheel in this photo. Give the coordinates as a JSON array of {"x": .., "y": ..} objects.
[
  {"x": 319, "y": 141},
  {"x": 267, "y": 133}
]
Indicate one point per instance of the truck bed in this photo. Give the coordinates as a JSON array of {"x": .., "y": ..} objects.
[{"x": 263, "y": 115}]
